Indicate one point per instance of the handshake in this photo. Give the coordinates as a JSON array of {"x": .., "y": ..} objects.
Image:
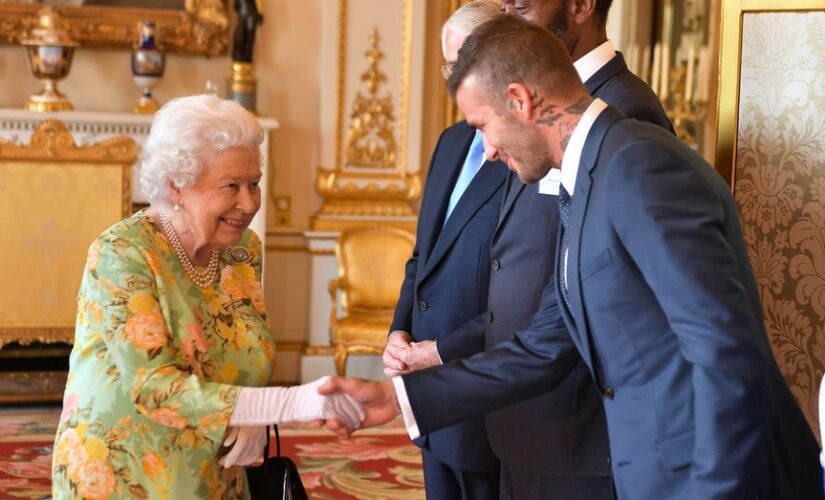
[
  {"x": 342, "y": 404},
  {"x": 258, "y": 407}
]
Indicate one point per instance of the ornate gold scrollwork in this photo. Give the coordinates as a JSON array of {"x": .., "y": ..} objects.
[
  {"x": 369, "y": 182},
  {"x": 371, "y": 134},
  {"x": 53, "y": 141},
  {"x": 202, "y": 28}
]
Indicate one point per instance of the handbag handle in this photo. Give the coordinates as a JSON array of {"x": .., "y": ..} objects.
[{"x": 277, "y": 442}]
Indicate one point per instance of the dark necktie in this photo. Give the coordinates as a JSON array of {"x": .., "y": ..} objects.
[{"x": 564, "y": 215}]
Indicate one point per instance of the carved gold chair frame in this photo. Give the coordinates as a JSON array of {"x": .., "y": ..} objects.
[
  {"x": 201, "y": 28},
  {"x": 52, "y": 144}
]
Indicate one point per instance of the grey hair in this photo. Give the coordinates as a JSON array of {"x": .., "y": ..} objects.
[
  {"x": 186, "y": 133},
  {"x": 469, "y": 16}
]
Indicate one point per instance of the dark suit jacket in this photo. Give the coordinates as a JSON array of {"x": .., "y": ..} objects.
[
  {"x": 562, "y": 432},
  {"x": 664, "y": 311},
  {"x": 447, "y": 278}
]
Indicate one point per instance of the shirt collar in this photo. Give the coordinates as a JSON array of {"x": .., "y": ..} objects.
[
  {"x": 590, "y": 63},
  {"x": 572, "y": 154}
]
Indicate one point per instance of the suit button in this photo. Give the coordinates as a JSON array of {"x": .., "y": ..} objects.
[
  {"x": 608, "y": 393},
  {"x": 495, "y": 264},
  {"x": 422, "y": 305},
  {"x": 489, "y": 316}
]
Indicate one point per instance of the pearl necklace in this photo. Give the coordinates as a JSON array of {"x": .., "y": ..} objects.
[{"x": 201, "y": 277}]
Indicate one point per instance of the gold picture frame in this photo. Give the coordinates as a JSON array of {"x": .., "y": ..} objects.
[
  {"x": 200, "y": 28},
  {"x": 730, "y": 52},
  {"x": 767, "y": 119}
]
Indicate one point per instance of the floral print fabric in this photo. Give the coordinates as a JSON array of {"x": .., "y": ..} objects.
[{"x": 156, "y": 368}]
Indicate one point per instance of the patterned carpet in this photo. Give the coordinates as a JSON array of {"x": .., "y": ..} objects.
[{"x": 374, "y": 464}]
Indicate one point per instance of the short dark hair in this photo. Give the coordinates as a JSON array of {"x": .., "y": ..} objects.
[
  {"x": 601, "y": 9},
  {"x": 509, "y": 50}
]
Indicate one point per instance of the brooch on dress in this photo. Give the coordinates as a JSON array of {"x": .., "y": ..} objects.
[{"x": 240, "y": 255}]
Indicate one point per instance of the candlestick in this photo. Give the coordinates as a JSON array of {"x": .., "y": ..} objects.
[
  {"x": 657, "y": 65},
  {"x": 689, "y": 78},
  {"x": 665, "y": 72},
  {"x": 646, "y": 63}
]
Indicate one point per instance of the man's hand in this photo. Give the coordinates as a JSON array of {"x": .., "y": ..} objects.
[
  {"x": 397, "y": 342},
  {"x": 377, "y": 400},
  {"x": 421, "y": 355}
]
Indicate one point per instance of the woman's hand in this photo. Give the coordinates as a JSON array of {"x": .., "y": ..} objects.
[
  {"x": 247, "y": 445},
  {"x": 278, "y": 405}
]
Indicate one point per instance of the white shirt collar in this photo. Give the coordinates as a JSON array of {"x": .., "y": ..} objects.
[
  {"x": 572, "y": 154},
  {"x": 586, "y": 67},
  {"x": 590, "y": 63}
]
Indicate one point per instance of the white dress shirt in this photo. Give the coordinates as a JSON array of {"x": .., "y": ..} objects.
[{"x": 586, "y": 67}]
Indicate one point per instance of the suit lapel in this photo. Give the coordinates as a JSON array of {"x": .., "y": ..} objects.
[
  {"x": 512, "y": 190},
  {"x": 578, "y": 210},
  {"x": 613, "y": 67},
  {"x": 486, "y": 182},
  {"x": 440, "y": 187}
]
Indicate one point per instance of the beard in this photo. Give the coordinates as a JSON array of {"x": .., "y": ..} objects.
[
  {"x": 530, "y": 156},
  {"x": 558, "y": 24}
]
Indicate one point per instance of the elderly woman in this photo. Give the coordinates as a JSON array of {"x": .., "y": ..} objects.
[{"x": 171, "y": 338}]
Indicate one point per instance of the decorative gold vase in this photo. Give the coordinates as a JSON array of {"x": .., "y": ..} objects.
[
  {"x": 50, "y": 50},
  {"x": 148, "y": 64}
]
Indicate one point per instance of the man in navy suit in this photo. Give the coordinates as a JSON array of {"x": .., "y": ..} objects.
[
  {"x": 459, "y": 211},
  {"x": 653, "y": 290},
  {"x": 553, "y": 446}
]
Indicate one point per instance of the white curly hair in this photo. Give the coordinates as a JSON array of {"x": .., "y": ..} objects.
[
  {"x": 186, "y": 133},
  {"x": 468, "y": 17}
]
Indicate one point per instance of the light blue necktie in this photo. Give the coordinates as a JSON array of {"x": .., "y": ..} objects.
[{"x": 472, "y": 164}]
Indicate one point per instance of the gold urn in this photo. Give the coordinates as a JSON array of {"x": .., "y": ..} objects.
[{"x": 50, "y": 50}]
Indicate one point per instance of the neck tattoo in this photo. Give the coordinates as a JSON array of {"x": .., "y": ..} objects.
[{"x": 202, "y": 277}]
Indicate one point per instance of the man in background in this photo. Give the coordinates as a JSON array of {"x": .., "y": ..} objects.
[
  {"x": 459, "y": 211},
  {"x": 653, "y": 290},
  {"x": 553, "y": 446}
]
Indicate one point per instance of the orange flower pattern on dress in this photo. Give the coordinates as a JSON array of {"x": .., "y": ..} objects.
[
  {"x": 156, "y": 369},
  {"x": 97, "y": 480},
  {"x": 147, "y": 331},
  {"x": 153, "y": 466}
]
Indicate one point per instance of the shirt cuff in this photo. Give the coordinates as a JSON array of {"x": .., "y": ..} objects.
[
  {"x": 438, "y": 354},
  {"x": 406, "y": 409}
]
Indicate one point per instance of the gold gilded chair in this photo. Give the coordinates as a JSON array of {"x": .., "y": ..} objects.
[
  {"x": 55, "y": 199},
  {"x": 371, "y": 264}
]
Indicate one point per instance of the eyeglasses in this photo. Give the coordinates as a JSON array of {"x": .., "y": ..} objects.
[{"x": 447, "y": 70}]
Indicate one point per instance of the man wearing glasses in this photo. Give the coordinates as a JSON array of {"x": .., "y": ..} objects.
[
  {"x": 459, "y": 211},
  {"x": 553, "y": 446}
]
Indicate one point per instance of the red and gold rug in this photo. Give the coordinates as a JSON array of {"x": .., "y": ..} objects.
[{"x": 378, "y": 463}]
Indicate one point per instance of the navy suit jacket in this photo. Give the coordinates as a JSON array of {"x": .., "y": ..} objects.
[
  {"x": 562, "y": 432},
  {"x": 664, "y": 311},
  {"x": 447, "y": 277}
]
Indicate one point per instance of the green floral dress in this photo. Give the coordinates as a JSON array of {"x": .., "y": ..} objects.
[{"x": 156, "y": 368}]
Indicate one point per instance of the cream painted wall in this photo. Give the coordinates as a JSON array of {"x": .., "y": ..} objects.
[{"x": 287, "y": 65}]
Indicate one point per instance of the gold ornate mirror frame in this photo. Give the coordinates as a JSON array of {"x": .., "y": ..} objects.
[{"x": 202, "y": 28}]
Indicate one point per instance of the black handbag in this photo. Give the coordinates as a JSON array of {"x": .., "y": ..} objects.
[{"x": 277, "y": 478}]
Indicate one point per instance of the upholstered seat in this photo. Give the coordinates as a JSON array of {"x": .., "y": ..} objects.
[
  {"x": 371, "y": 268},
  {"x": 55, "y": 199}
]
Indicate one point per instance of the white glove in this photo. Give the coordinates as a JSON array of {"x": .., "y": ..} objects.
[
  {"x": 302, "y": 403},
  {"x": 249, "y": 445}
]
